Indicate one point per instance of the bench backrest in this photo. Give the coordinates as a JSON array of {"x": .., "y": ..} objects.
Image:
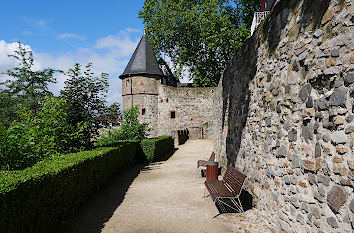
[
  {"x": 234, "y": 179},
  {"x": 212, "y": 157}
]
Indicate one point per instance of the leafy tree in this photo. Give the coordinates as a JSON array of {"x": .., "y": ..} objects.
[
  {"x": 130, "y": 129},
  {"x": 86, "y": 96},
  {"x": 26, "y": 86},
  {"x": 8, "y": 108},
  {"x": 38, "y": 135},
  {"x": 199, "y": 35},
  {"x": 113, "y": 112}
]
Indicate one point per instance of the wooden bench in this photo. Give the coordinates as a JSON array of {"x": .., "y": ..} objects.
[{"x": 229, "y": 188}]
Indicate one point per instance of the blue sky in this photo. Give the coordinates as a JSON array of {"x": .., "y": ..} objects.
[{"x": 61, "y": 33}]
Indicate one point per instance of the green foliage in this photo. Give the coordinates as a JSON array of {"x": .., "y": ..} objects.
[
  {"x": 113, "y": 113},
  {"x": 38, "y": 135},
  {"x": 33, "y": 199},
  {"x": 130, "y": 129},
  {"x": 24, "y": 87},
  {"x": 27, "y": 85},
  {"x": 86, "y": 96},
  {"x": 199, "y": 35},
  {"x": 156, "y": 149}
]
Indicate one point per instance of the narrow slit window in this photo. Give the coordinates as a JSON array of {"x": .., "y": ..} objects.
[
  {"x": 173, "y": 114},
  {"x": 143, "y": 111}
]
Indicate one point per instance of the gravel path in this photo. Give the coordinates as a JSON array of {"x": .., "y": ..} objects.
[{"x": 161, "y": 197}]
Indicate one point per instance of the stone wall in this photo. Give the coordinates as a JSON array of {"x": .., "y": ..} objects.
[
  {"x": 142, "y": 91},
  {"x": 286, "y": 116},
  {"x": 193, "y": 108}
]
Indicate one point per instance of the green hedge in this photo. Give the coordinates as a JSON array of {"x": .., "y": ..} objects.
[
  {"x": 33, "y": 199},
  {"x": 156, "y": 149},
  {"x": 150, "y": 149}
]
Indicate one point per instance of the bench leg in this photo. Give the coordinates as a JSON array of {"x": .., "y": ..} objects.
[
  {"x": 204, "y": 193},
  {"x": 237, "y": 205}
]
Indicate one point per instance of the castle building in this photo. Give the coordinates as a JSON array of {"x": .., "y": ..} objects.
[{"x": 168, "y": 106}]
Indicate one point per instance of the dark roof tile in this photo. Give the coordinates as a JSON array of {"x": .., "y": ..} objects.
[{"x": 143, "y": 61}]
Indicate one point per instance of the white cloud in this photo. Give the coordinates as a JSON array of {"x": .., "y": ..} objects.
[
  {"x": 121, "y": 44},
  {"x": 71, "y": 36},
  {"x": 109, "y": 55}
]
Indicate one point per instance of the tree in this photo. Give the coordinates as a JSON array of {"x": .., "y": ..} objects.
[
  {"x": 130, "y": 129},
  {"x": 86, "y": 96},
  {"x": 113, "y": 113},
  {"x": 199, "y": 35},
  {"x": 38, "y": 135},
  {"x": 26, "y": 86}
]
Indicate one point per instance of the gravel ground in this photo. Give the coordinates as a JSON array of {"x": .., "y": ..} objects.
[{"x": 161, "y": 197}]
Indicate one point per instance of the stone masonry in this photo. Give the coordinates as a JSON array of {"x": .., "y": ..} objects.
[
  {"x": 286, "y": 116},
  {"x": 166, "y": 105}
]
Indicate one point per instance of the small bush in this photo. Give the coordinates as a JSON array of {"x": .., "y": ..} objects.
[
  {"x": 33, "y": 199},
  {"x": 130, "y": 129}
]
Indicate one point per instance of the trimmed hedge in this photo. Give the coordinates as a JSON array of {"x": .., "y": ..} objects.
[
  {"x": 156, "y": 149},
  {"x": 34, "y": 199},
  {"x": 150, "y": 149}
]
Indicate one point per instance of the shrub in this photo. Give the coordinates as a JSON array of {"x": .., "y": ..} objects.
[
  {"x": 38, "y": 135},
  {"x": 156, "y": 149},
  {"x": 33, "y": 199},
  {"x": 130, "y": 129}
]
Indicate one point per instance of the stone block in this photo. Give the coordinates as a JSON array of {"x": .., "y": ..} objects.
[
  {"x": 295, "y": 163},
  {"x": 308, "y": 165},
  {"x": 339, "y": 97},
  {"x": 292, "y": 135},
  {"x": 305, "y": 92},
  {"x": 349, "y": 129},
  {"x": 281, "y": 152},
  {"x": 332, "y": 222},
  {"x": 327, "y": 16},
  {"x": 318, "y": 150},
  {"x": 323, "y": 179},
  {"x": 342, "y": 149},
  {"x": 334, "y": 53},
  {"x": 334, "y": 70},
  {"x": 330, "y": 62},
  {"x": 327, "y": 150},
  {"x": 346, "y": 182},
  {"x": 303, "y": 183},
  {"x": 312, "y": 178},
  {"x": 336, "y": 198},
  {"x": 339, "y": 120},
  {"x": 349, "y": 78},
  {"x": 321, "y": 104},
  {"x": 340, "y": 169},
  {"x": 336, "y": 159},
  {"x": 339, "y": 137}
]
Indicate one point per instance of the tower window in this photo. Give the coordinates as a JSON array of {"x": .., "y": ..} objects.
[
  {"x": 173, "y": 114},
  {"x": 143, "y": 111}
]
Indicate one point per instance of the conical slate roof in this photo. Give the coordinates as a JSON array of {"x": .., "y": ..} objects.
[{"x": 143, "y": 61}]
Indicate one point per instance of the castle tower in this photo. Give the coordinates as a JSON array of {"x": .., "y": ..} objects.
[{"x": 140, "y": 84}]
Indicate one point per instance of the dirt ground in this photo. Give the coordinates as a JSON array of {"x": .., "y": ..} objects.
[{"x": 160, "y": 197}]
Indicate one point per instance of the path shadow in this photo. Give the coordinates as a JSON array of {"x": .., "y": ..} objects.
[
  {"x": 168, "y": 155},
  {"x": 100, "y": 206}
]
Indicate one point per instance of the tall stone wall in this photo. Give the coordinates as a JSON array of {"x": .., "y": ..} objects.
[
  {"x": 286, "y": 118},
  {"x": 193, "y": 109}
]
